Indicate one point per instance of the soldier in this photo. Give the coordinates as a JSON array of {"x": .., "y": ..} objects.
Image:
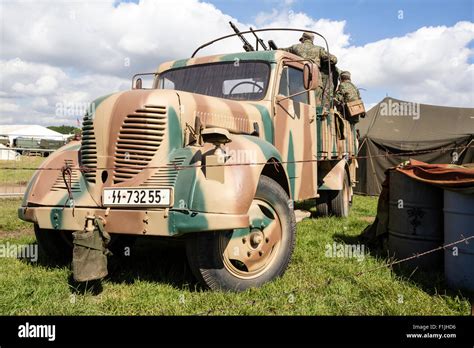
[
  {"x": 347, "y": 92},
  {"x": 308, "y": 50},
  {"x": 317, "y": 54}
]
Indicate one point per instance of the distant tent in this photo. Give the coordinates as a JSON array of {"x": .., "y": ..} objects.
[
  {"x": 402, "y": 128},
  {"x": 29, "y": 131},
  {"x": 6, "y": 154}
]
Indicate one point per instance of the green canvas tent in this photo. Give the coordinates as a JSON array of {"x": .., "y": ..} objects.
[{"x": 394, "y": 130}]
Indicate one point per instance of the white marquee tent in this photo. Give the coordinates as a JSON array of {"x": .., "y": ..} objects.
[
  {"x": 30, "y": 131},
  {"x": 6, "y": 154}
]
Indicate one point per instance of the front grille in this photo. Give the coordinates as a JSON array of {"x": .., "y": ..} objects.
[
  {"x": 59, "y": 184},
  {"x": 139, "y": 138},
  {"x": 88, "y": 148},
  {"x": 167, "y": 175}
]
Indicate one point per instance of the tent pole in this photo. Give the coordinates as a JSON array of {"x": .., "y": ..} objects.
[
  {"x": 466, "y": 147},
  {"x": 360, "y": 146}
]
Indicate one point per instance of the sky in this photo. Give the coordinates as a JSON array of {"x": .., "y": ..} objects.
[{"x": 57, "y": 56}]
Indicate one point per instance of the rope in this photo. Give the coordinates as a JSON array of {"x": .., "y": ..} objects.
[
  {"x": 85, "y": 169},
  {"x": 66, "y": 171},
  {"x": 465, "y": 239}
]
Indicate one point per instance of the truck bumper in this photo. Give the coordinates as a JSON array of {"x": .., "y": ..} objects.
[{"x": 135, "y": 222}]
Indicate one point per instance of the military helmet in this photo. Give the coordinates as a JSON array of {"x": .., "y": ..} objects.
[
  {"x": 345, "y": 74},
  {"x": 307, "y": 36}
]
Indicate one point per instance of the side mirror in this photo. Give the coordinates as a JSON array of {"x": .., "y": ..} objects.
[
  {"x": 138, "y": 83},
  {"x": 310, "y": 76},
  {"x": 145, "y": 80}
]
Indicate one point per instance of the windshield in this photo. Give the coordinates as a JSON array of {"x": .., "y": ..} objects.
[{"x": 231, "y": 80}]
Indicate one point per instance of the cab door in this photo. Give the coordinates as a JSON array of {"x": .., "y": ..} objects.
[{"x": 295, "y": 131}]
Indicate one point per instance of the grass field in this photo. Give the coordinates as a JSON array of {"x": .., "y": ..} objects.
[
  {"x": 155, "y": 280},
  {"x": 19, "y": 176}
]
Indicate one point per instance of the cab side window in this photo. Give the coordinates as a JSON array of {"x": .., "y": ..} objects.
[{"x": 291, "y": 82}]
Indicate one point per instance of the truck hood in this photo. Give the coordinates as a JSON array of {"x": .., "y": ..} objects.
[{"x": 127, "y": 135}]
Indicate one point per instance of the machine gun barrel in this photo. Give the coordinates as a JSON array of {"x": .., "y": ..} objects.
[
  {"x": 247, "y": 46},
  {"x": 259, "y": 40}
]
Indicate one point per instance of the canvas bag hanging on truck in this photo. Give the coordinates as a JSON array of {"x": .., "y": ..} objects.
[{"x": 89, "y": 256}]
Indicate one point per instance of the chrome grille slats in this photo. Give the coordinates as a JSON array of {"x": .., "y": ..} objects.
[
  {"x": 139, "y": 138},
  {"x": 88, "y": 148}
]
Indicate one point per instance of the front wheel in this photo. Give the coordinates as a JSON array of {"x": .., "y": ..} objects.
[{"x": 248, "y": 257}]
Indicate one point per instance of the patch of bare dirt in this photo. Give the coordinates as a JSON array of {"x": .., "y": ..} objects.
[{"x": 17, "y": 233}]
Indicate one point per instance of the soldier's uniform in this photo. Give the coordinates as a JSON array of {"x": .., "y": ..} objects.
[
  {"x": 308, "y": 50},
  {"x": 347, "y": 92},
  {"x": 317, "y": 54}
]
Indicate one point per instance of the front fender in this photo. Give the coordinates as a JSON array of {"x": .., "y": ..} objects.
[
  {"x": 42, "y": 181},
  {"x": 200, "y": 191}
]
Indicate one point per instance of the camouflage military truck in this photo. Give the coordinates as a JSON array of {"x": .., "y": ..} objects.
[
  {"x": 50, "y": 144},
  {"x": 214, "y": 153},
  {"x": 27, "y": 146},
  {"x": 27, "y": 143}
]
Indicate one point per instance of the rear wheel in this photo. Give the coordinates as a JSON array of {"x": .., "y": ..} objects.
[
  {"x": 335, "y": 203},
  {"x": 322, "y": 205},
  {"x": 248, "y": 257},
  {"x": 340, "y": 202}
]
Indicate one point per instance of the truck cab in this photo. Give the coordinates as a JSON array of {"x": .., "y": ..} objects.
[{"x": 270, "y": 86}]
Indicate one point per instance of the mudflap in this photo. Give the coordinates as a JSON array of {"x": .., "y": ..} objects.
[{"x": 89, "y": 255}]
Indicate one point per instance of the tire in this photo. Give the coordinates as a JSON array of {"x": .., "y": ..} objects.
[
  {"x": 322, "y": 204},
  {"x": 240, "y": 259},
  {"x": 56, "y": 245},
  {"x": 340, "y": 202}
]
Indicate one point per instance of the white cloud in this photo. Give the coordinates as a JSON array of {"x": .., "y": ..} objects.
[
  {"x": 332, "y": 30},
  {"x": 430, "y": 65},
  {"x": 8, "y": 107},
  {"x": 50, "y": 86},
  {"x": 73, "y": 52},
  {"x": 44, "y": 85},
  {"x": 77, "y": 51},
  {"x": 21, "y": 78},
  {"x": 40, "y": 103},
  {"x": 98, "y": 36}
]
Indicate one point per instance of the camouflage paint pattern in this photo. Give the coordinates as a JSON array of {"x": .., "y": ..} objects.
[{"x": 129, "y": 134}]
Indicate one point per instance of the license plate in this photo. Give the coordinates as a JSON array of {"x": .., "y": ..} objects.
[{"x": 137, "y": 197}]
